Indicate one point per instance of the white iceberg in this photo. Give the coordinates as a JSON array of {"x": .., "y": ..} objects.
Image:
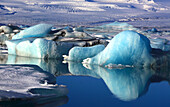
[
  {"x": 40, "y": 30},
  {"x": 126, "y": 48},
  {"x": 38, "y": 48}
]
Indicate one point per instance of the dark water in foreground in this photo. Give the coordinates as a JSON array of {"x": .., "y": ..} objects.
[
  {"x": 93, "y": 86},
  {"x": 91, "y": 92}
]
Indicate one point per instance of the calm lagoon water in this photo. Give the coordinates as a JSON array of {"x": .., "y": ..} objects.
[
  {"x": 91, "y": 92},
  {"x": 94, "y": 86}
]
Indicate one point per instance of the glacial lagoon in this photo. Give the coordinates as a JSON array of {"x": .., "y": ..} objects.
[
  {"x": 46, "y": 80},
  {"x": 95, "y": 86}
]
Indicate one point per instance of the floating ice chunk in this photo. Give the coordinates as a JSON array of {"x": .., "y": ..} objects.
[
  {"x": 160, "y": 43},
  {"x": 117, "y": 25},
  {"x": 80, "y": 53},
  {"x": 69, "y": 29},
  {"x": 24, "y": 26},
  {"x": 117, "y": 66},
  {"x": 38, "y": 48},
  {"x": 126, "y": 48},
  {"x": 40, "y": 30},
  {"x": 77, "y": 34},
  {"x": 17, "y": 81},
  {"x": 79, "y": 29},
  {"x": 5, "y": 29},
  {"x": 154, "y": 30}
]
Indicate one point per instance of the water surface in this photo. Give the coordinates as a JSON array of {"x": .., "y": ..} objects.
[{"x": 95, "y": 86}]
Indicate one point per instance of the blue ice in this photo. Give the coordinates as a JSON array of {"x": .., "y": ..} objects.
[
  {"x": 160, "y": 43},
  {"x": 126, "y": 48},
  {"x": 40, "y": 30},
  {"x": 81, "y": 53},
  {"x": 38, "y": 48}
]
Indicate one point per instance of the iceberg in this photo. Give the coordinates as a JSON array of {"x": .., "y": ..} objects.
[
  {"x": 126, "y": 48},
  {"x": 38, "y": 48},
  {"x": 80, "y": 53},
  {"x": 40, "y": 30},
  {"x": 76, "y": 33},
  {"x": 5, "y": 29},
  {"x": 160, "y": 43}
]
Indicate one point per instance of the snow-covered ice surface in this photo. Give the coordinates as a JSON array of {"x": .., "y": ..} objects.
[
  {"x": 27, "y": 81},
  {"x": 86, "y": 12}
]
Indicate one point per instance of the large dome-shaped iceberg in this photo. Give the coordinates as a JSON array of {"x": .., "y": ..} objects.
[{"x": 126, "y": 48}]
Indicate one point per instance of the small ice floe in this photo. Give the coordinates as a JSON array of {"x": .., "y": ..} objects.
[
  {"x": 5, "y": 29},
  {"x": 76, "y": 33},
  {"x": 65, "y": 57},
  {"x": 47, "y": 84}
]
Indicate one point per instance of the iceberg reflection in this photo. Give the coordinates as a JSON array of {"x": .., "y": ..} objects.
[
  {"x": 126, "y": 84},
  {"x": 55, "y": 67}
]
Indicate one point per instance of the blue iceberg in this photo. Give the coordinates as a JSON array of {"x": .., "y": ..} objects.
[
  {"x": 40, "y": 30},
  {"x": 126, "y": 48},
  {"x": 37, "y": 48},
  {"x": 81, "y": 53}
]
